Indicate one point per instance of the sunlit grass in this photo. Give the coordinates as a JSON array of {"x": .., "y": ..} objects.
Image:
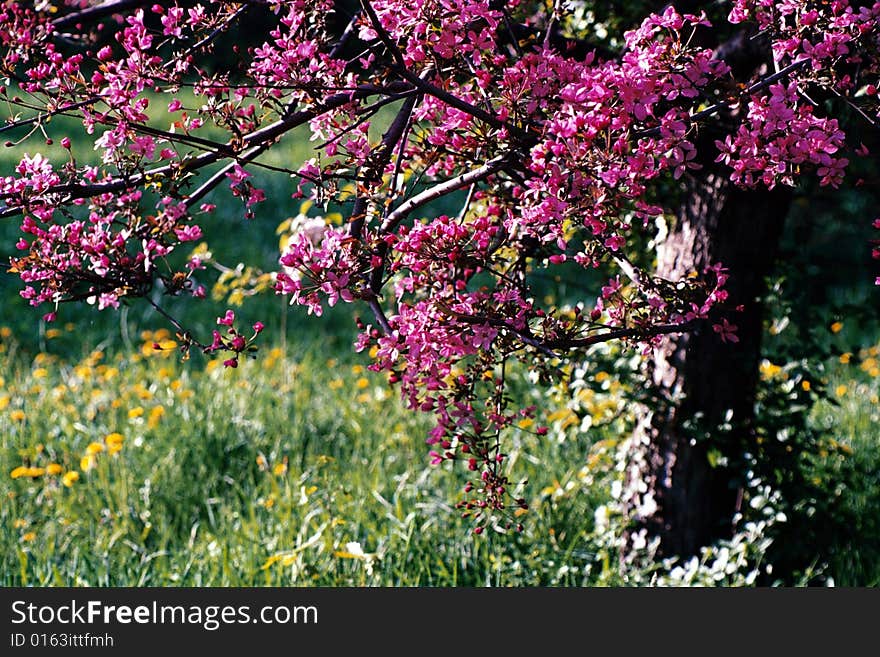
[{"x": 294, "y": 469}]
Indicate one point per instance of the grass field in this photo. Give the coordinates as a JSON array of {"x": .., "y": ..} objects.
[{"x": 294, "y": 469}]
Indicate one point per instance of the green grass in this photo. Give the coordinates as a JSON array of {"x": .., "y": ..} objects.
[{"x": 264, "y": 475}]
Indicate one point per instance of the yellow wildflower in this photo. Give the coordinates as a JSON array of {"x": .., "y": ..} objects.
[
  {"x": 840, "y": 390},
  {"x": 769, "y": 370},
  {"x": 362, "y": 383},
  {"x": 114, "y": 442},
  {"x": 280, "y": 468},
  {"x": 70, "y": 478},
  {"x": 40, "y": 373},
  {"x": 30, "y": 536},
  {"x": 845, "y": 358},
  {"x": 54, "y": 469},
  {"x": 87, "y": 462},
  {"x": 135, "y": 412},
  {"x": 20, "y": 471},
  {"x": 94, "y": 448},
  {"x": 52, "y": 333},
  {"x": 156, "y": 414},
  {"x": 17, "y": 415},
  {"x": 805, "y": 385},
  {"x": 837, "y": 327}
]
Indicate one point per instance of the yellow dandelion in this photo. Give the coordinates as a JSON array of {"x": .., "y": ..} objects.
[
  {"x": 357, "y": 369},
  {"x": 17, "y": 415},
  {"x": 845, "y": 358},
  {"x": 135, "y": 412},
  {"x": 35, "y": 472},
  {"x": 40, "y": 373},
  {"x": 362, "y": 383},
  {"x": 280, "y": 468},
  {"x": 336, "y": 384},
  {"x": 70, "y": 478},
  {"x": 525, "y": 423},
  {"x": 806, "y": 385},
  {"x": 269, "y": 502},
  {"x": 156, "y": 414},
  {"x": 840, "y": 390},
  {"x": 114, "y": 442},
  {"x": 52, "y": 333},
  {"x": 5, "y": 332},
  {"x": 20, "y": 471},
  {"x": 54, "y": 469},
  {"x": 4, "y": 402},
  {"x": 87, "y": 462},
  {"x": 19, "y": 523},
  {"x": 837, "y": 327},
  {"x": 30, "y": 536},
  {"x": 94, "y": 448},
  {"x": 362, "y": 398},
  {"x": 176, "y": 385},
  {"x": 262, "y": 462}
]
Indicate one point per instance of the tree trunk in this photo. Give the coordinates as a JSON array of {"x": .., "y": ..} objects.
[{"x": 677, "y": 487}]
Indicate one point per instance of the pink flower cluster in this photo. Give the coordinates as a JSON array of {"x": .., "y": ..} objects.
[
  {"x": 781, "y": 134},
  {"x": 317, "y": 266}
]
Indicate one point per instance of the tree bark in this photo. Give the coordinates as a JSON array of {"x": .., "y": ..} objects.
[{"x": 674, "y": 490}]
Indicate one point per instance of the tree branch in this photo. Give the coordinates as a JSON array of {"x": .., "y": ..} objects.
[{"x": 480, "y": 173}]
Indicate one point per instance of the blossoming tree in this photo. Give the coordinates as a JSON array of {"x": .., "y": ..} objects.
[{"x": 560, "y": 156}]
